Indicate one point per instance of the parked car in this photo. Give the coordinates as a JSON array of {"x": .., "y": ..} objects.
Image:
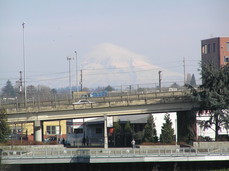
[{"x": 82, "y": 102}]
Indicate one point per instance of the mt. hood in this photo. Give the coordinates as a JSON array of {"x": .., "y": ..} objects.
[{"x": 108, "y": 64}]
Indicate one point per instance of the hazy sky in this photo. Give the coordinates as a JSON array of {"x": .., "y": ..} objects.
[{"x": 164, "y": 31}]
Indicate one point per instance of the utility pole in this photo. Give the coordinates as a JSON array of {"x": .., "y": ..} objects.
[
  {"x": 76, "y": 73},
  {"x": 70, "y": 84},
  {"x": 159, "y": 72},
  {"x": 184, "y": 69},
  {"x": 81, "y": 80},
  {"x": 20, "y": 84},
  {"x": 24, "y": 64}
]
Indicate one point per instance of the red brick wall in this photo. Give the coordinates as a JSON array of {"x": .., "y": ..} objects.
[
  {"x": 214, "y": 55},
  {"x": 223, "y": 50}
]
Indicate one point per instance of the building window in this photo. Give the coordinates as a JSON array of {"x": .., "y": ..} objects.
[
  {"x": 98, "y": 130},
  {"x": 54, "y": 130},
  {"x": 227, "y": 46},
  {"x": 214, "y": 47},
  {"x": 204, "y": 49},
  {"x": 226, "y": 59},
  {"x": 209, "y": 48},
  {"x": 78, "y": 131}
]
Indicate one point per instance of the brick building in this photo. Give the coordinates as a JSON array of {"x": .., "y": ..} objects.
[{"x": 215, "y": 51}]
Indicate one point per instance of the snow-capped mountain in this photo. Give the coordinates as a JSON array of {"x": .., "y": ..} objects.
[{"x": 108, "y": 64}]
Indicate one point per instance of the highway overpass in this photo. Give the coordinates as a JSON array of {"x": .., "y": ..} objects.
[
  {"x": 110, "y": 106},
  {"x": 104, "y": 106}
]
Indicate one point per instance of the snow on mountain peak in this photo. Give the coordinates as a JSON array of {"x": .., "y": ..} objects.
[
  {"x": 111, "y": 55},
  {"x": 108, "y": 64}
]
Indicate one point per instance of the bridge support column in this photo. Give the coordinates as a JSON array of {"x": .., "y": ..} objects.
[
  {"x": 38, "y": 131},
  {"x": 105, "y": 132},
  {"x": 186, "y": 126}
]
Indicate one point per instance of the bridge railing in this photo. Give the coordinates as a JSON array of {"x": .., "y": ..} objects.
[
  {"x": 104, "y": 153},
  {"x": 99, "y": 102}
]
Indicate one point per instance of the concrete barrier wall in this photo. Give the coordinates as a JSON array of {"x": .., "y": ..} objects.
[
  {"x": 158, "y": 146},
  {"x": 219, "y": 144}
]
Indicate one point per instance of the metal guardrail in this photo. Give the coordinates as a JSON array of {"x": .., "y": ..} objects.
[{"x": 112, "y": 153}]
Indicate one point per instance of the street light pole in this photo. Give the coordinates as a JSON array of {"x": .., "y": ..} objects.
[
  {"x": 24, "y": 64},
  {"x": 70, "y": 86},
  {"x": 184, "y": 70}
]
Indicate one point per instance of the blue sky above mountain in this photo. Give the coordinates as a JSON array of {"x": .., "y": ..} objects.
[{"x": 162, "y": 33}]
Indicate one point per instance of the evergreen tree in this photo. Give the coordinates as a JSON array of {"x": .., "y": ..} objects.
[
  {"x": 167, "y": 132},
  {"x": 109, "y": 88},
  {"x": 4, "y": 127},
  {"x": 127, "y": 134},
  {"x": 213, "y": 96},
  {"x": 193, "y": 81},
  {"x": 127, "y": 128},
  {"x": 117, "y": 134},
  {"x": 226, "y": 122},
  {"x": 175, "y": 85},
  {"x": 139, "y": 136},
  {"x": 8, "y": 90},
  {"x": 54, "y": 91},
  {"x": 150, "y": 132},
  {"x": 117, "y": 127}
]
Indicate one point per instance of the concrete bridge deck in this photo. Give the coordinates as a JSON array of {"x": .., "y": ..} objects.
[{"x": 127, "y": 105}]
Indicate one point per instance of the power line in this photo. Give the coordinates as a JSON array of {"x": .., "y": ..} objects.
[{"x": 99, "y": 72}]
